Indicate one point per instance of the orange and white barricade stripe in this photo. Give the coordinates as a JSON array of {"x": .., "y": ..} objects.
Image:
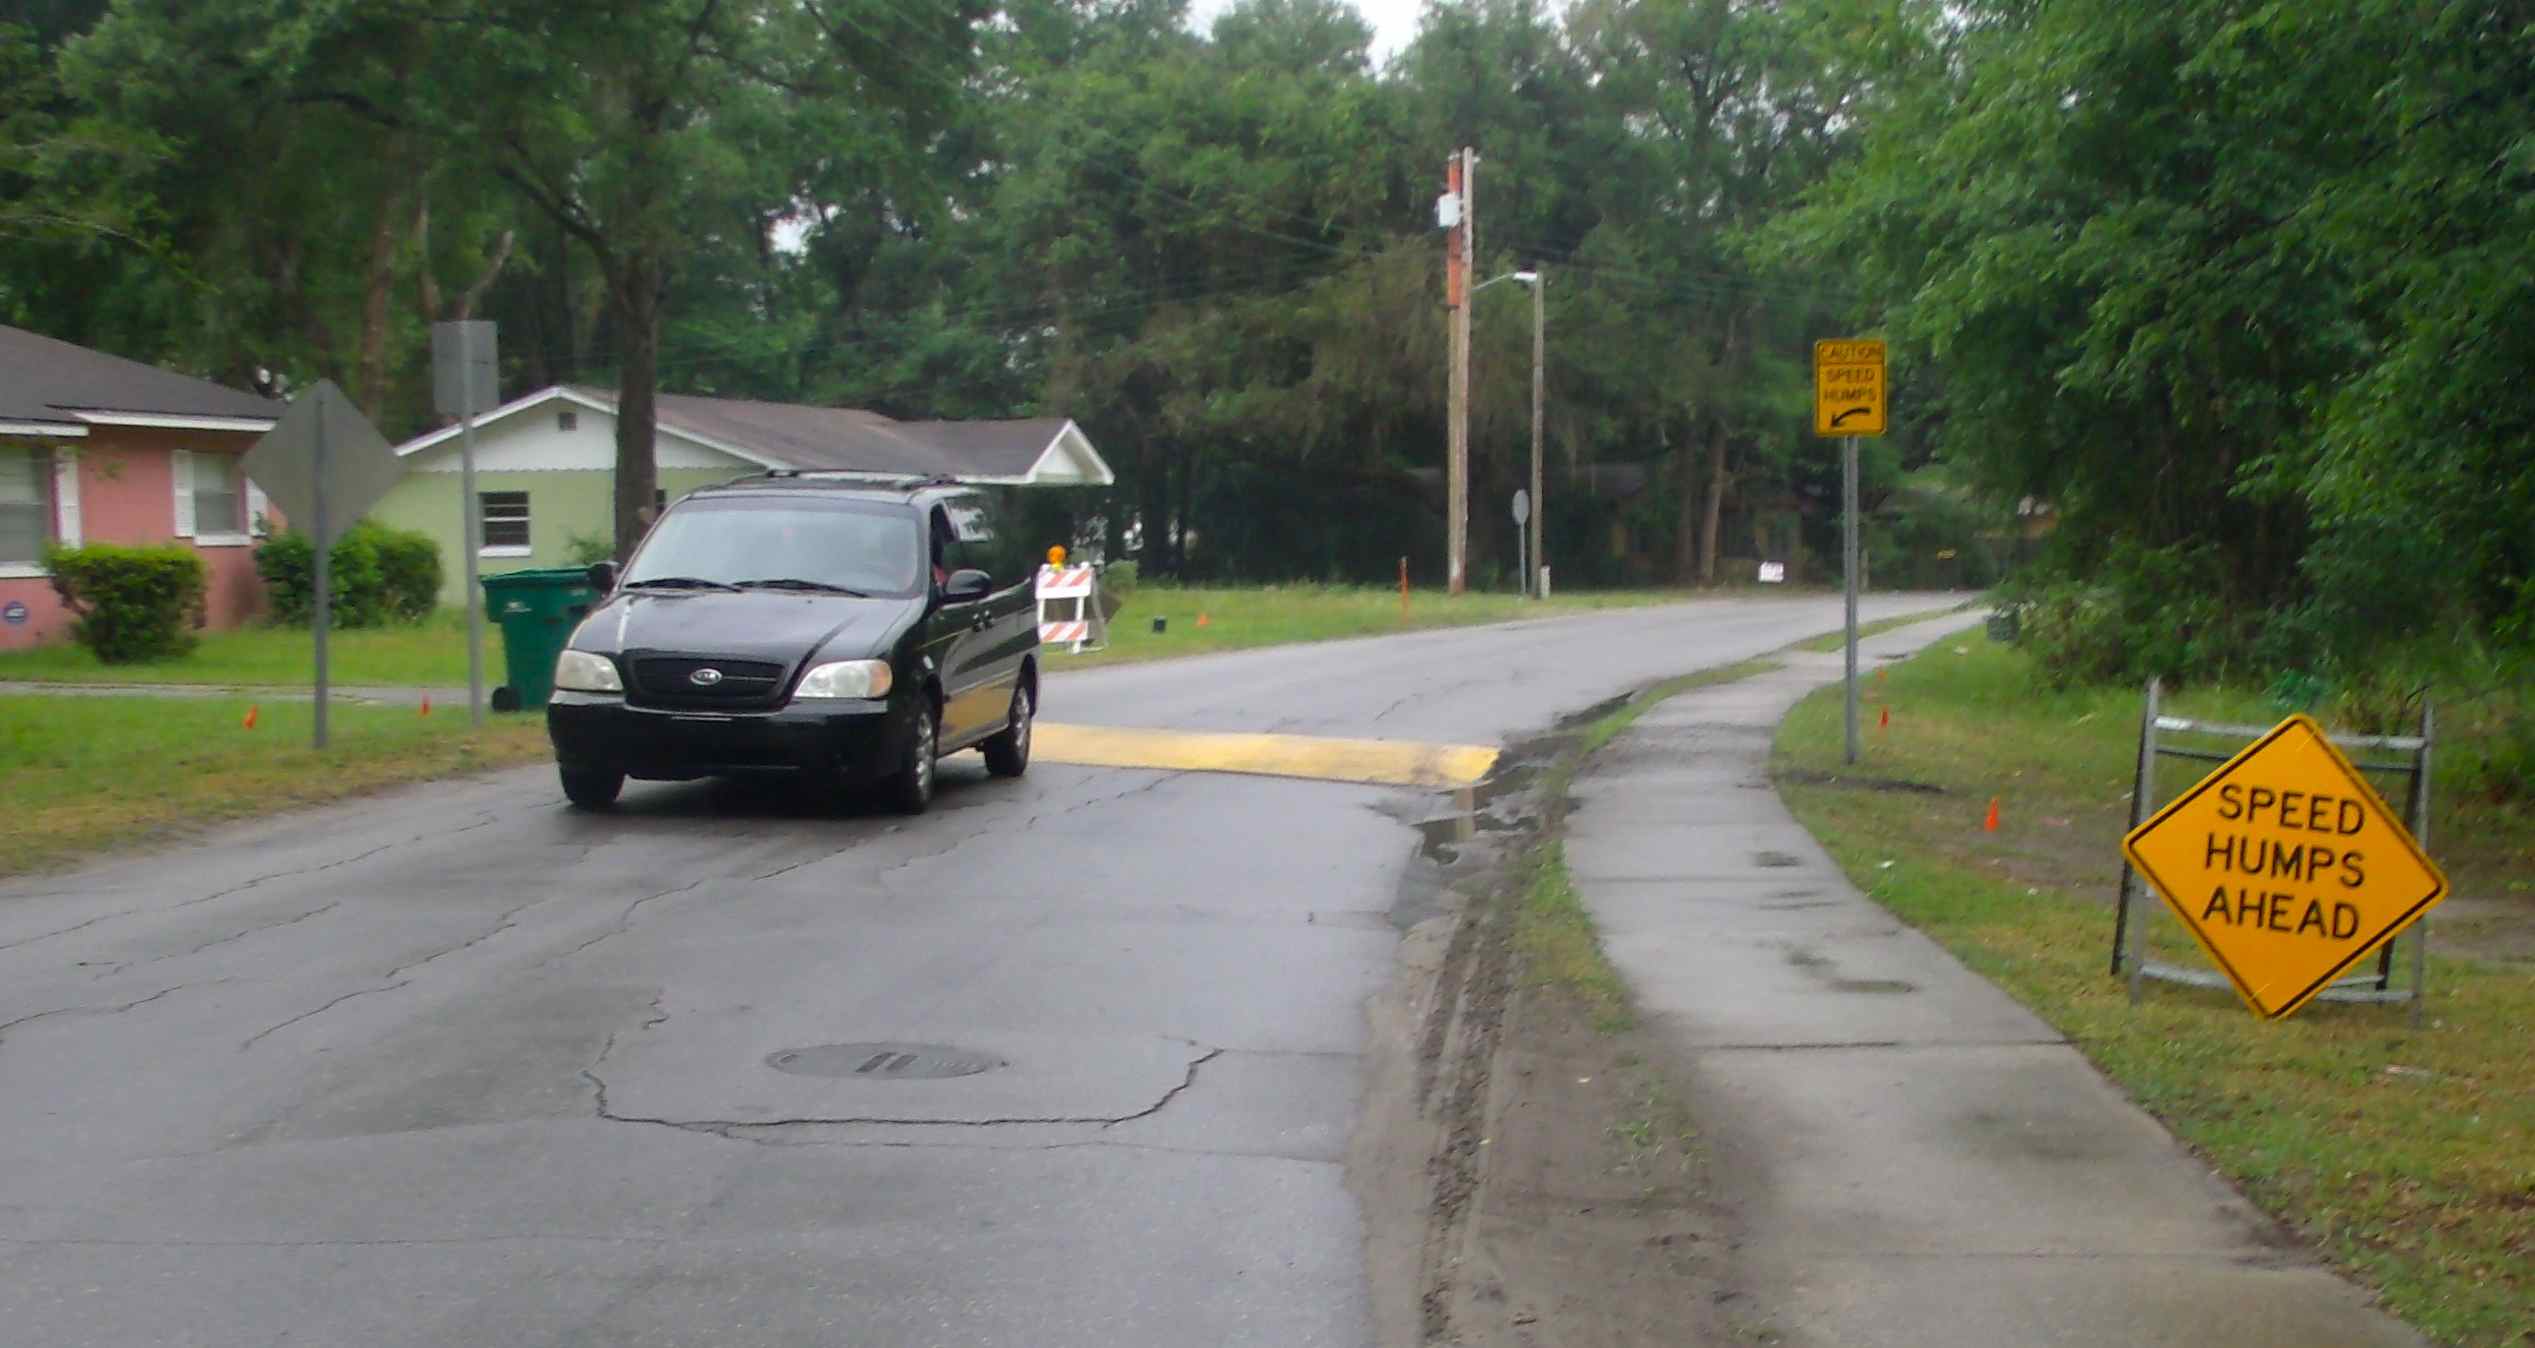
[{"x": 1069, "y": 608}]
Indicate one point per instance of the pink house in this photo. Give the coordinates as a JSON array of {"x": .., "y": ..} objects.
[{"x": 98, "y": 449}]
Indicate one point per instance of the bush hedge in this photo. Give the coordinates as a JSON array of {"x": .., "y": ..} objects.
[
  {"x": 1117, "y": 585},
  {"x": 132, "y": 604},
  {"x": 378, "y": 575}
]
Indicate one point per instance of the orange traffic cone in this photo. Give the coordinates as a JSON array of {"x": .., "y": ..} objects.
[
  {"x": 1201, "y": 620},
  {"x": 1990, "y": 825},
  {"x": 426, "y": 708},
  {"x": 1883, "y": 719},
  {"x": 251, "y": 710}
]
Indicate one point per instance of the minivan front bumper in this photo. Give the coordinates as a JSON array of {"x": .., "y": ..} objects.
[{"x": 855, "y": 740}]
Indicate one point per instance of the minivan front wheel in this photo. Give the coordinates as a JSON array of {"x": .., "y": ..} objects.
[
  {"x": 911, "y": 789},
  {"x": 1008, "y": 754}
]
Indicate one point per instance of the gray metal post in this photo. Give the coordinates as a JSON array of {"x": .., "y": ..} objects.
[
  {"x": 321, "y": 612},
  {"x": 1848, "y": 568},
  {"x": 473, "y": 543},
  {"x": 2128, "y": 929},
  {"x": 1540, "y": 501},
  {"x": 2420, "y": 834}
]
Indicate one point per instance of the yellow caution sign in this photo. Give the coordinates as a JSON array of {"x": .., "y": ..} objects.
[
  {"x": 2287, "y": 866},
  {"x": 1848, "y": 388}
]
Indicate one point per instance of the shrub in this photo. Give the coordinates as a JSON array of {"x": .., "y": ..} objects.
[
  {"x": 132, "y": 603},
  {"x": 1118, "y": 581},
  {"x": 588, "y": 549},
  {"x": 2141, "y": 615},
  {"x": 409, "y": 572},
  {"x": 376, "y": 573},
  {"x": 2500, "y": 761}
]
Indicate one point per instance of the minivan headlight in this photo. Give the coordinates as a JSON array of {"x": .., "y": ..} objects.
[
  {"x": 583, "y": 672},
  {"x": 846, "y": 678}
]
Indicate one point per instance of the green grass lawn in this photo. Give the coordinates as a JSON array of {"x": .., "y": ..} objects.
[
  {"x": 1239, "y": 618},
  {"x": 92, "y": 774},
  {"x": 2408, "y": 1156},
  {"x": 429, "y": 654}
]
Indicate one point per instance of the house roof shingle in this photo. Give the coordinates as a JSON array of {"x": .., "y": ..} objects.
[
  {"x": 848, "y": 439},
  {"x": 44, "y": 380}
]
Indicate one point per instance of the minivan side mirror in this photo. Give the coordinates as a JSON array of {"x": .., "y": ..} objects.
[
  {"x": 603, "y": 576},
  {"x": 965, "y": 585}
]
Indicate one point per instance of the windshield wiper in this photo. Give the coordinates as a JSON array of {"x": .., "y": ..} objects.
[
  {"x": 679, "y": 583},
  {"x": 796, "y": 583}
]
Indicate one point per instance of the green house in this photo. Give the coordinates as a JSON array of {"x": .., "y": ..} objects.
[{"x": 545, "y": 465}]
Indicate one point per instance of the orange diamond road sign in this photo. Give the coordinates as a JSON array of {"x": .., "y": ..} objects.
[{"x": 2286, "y": 865}]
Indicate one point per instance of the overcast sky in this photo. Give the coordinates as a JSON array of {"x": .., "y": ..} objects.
[{"x": 1394, "y": 21}]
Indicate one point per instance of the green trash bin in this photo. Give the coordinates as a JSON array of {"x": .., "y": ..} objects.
[{"x": 537, "y": 611}]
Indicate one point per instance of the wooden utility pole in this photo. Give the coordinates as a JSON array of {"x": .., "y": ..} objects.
[
  {"x": 1461, "y": 178},
  {"x": 1540, "y": 502}
]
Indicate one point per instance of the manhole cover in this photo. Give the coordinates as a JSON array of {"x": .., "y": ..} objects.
[{"x": 882, "y": 1062}]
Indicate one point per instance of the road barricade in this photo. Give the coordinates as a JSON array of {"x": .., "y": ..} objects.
[{"x": 1069, "y": 609}]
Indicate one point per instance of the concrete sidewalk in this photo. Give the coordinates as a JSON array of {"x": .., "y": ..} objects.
[{"x": 1906, "y": 1155}]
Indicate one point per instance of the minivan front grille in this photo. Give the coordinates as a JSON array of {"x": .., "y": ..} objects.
[{"x": 670, "y": 681}]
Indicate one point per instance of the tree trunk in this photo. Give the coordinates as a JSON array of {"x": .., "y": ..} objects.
[
  {"x": 1183, "y": 517},
  {"x": 1153, "y": 505},
  {"x": 636, "y": 296},
  {"x": 1689, "y": 499},
  {"x": 369, "y": 380},
  {"x": 1715, "y": 516}
]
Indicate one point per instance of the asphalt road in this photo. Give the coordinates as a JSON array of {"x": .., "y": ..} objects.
[{"x": 457, "y": 1066}]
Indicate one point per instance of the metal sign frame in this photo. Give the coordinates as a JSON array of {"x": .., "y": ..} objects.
[{"x": 2129, "y": 942}]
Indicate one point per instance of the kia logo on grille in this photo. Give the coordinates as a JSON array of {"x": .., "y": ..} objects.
[{"x": 705, "y": 678}]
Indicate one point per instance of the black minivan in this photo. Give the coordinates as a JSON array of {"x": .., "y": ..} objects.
[{"x": 845, "y": 631}]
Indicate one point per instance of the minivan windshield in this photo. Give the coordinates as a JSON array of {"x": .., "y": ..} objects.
[{"x": 709, "y": 543}]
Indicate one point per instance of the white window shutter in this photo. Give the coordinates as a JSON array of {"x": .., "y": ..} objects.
[
  {"x": 256, "y": 506},
  {"x": 66, "y": 499},
  {"x": 182, "y": 461}
]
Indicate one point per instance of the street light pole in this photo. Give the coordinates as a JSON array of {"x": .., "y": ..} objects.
[
  {"x": 1540, "y": 503},
  {"x": 1539, "y": 311}
]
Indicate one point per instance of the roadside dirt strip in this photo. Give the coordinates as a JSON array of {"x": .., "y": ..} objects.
[{"x": 1522, "y": 1170}]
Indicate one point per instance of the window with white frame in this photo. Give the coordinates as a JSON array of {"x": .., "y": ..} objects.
[
  {"x": 26, "y": 505},
  {"x": 505, "y": 523},
  {"x": 211, "y": 498},
  {"x": 219, "y": 496}
]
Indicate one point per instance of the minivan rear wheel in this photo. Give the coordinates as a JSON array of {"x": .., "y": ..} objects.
[
  {"x": 592, "y": 788},
  {"x": 911, "y": 789}
]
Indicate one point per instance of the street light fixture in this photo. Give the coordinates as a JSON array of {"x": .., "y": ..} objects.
[{"x": 1540, "y": 321}]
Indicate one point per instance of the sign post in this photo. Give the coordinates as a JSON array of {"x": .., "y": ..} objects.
[
  {"x": 464, "y": 385},
  {"x": 1522, "y": 539},
  {"x": 1848, "y": 401},
  {"x": 324, "y": 463},
  {"x": 321, "y": 612},
  {"x": 2286, "y": 866}
]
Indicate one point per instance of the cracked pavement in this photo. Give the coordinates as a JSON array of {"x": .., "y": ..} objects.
[{"x": 456, "y": 1066}]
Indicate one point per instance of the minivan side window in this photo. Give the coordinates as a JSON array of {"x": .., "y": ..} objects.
[{"x": 984, "y": 543}]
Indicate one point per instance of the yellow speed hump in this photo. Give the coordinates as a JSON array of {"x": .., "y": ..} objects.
[{"x": 2286, "y": 866}]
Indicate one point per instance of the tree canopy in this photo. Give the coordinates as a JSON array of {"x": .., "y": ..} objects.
[{"x": 2226, "y": 292}]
